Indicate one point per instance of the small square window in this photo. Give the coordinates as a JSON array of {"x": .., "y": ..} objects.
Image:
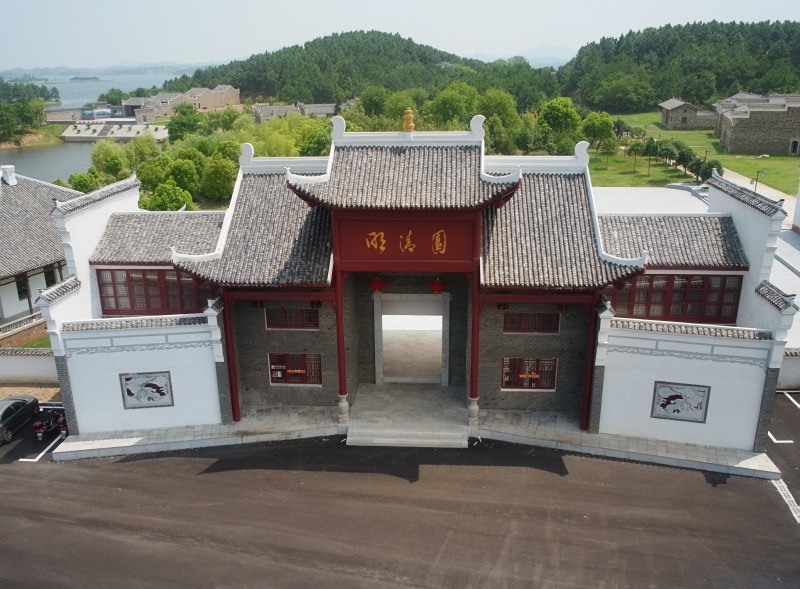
[{"x": 296, "y": 369}]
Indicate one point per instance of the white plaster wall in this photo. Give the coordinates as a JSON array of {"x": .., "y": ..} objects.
[
  {"x": 758, "y": 234},
  {"x": 734, "y": 369},
  {"x": 9, "y": 300},
  {"x": 28, "y": 369},
  {"x": 81, "y": 232},
  {"x": 789, "y": 376},
  {"x": 96, "y": 360}
]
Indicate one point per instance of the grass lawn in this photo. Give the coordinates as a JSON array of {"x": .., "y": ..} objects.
[
  {"x": 42, "y": 342},
  {"x": 780, "y": 171},
  {"x": 619, "y": 171}
]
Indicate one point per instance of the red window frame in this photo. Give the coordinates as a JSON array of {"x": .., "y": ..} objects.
[
  {"x": 685, "y": 298},
  {"x": 150, "y": 291},
  {"x": 295, "y": 369},
  {"x": 531, "y": 322},
  {"x": 529, "y": 374},
  {"x": 283, "y": 318}
]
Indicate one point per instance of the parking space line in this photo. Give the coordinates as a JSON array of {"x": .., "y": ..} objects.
[
  {"x": 788, "y": 396},
  {"x": 46, "y": 450},
  {"x": 771, "y": 437},
  {"x": 780, "y": 485}
]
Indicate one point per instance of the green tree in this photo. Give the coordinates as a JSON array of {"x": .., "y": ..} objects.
[
  {"x": 83, "y": 182},
  {"x": 219, "y": 178},
  {"x": 193, "y": 155},
  {"x": 316, "y": 139},
  {"x": 458, "y": 102},
  {"x": 185, "y": 122},
  {"x": 109, "y": 157},
  {"x": 141, "y": 149},
  {"x": 167, "y": 197},
  {"x": 598, "y": 126},
  {"x": 609, "y": 146},
  {"x": 229, "y": 150},
  {"x": 185, "y": 175},
  {"x": 373, "y": 99},
  {"x": 708, "y": 167},
  {"x": 114, "y": 96},
  {"x": 153, "y": 172},
  {"x": 560, "y": 115},
  {"x": 635, "y": 148}
]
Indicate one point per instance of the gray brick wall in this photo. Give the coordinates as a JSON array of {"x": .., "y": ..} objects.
[
  {"x": 223, "y": 383},
  {"x": 568, "y": 346},
  {"x": 254, "y": 343},
  {"x": 62, "y": 369},
  {"x": 765, "y": 415},
  {"x": 763, "y": 132},
  {"x": 353, "y": 337},
  {"x": 597, "y": 399}
]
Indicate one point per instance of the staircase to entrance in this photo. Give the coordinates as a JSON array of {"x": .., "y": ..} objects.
[{"x": 410, "y": 415}]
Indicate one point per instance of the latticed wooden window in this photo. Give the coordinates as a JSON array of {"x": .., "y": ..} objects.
[
  {"x": 529, "y": 373},
  {"x": 150, "y": 292},
  {"x": 689, "y": 298},
  {"x": 292, "y": 319},
  {"x": 531, "y": 322},
  {"x": 295, "y": 369}
]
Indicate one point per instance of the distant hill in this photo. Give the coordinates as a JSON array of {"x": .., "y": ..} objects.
[
  {"x": 698, "y": 62},
  {"x": 43, "y": 73},
  {"x": 333, "y": 68}
]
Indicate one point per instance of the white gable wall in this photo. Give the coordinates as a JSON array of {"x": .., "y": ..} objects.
[
  {"x": 97, "y": 358},
  {"x": 734, "y": 369},
  {"x": 81, "y": 231},
  {"x": 759, "y": 236}
]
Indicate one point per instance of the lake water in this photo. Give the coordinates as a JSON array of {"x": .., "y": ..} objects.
[
  {"x": 77, "y": 93},
  {"x": 48, "y": 162}
]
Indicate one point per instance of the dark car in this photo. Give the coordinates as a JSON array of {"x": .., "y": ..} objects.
[{"x": 14, "y": 413}]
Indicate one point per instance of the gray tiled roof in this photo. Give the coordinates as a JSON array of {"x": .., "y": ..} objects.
[
  {"x": 672, "y": 103},
  {"x": 774, "y": 296},
  {"x": 756, "y": 201},
  {"x": 28, "y": 235},
  {"x": 682, "y": 328},
  {"x": 26, "y": 352},
  {"x": 90, "y": 198},
  {"x": 544, "y": 238},
  {"x": 419, "y": 177},
  {"x": 60, "y": 290},
  {"x": 275, "y": 239},
  {"x": 136, "y": 323},
  {"x": 147, "y": 237},
  {"x": 675, "y": 241}
]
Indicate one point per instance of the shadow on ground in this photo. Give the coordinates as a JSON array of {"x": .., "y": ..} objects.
[{"x": 331, "y": 454}]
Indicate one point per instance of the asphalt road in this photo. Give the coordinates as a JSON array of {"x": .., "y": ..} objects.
[
  {"x": 785, "y": 451},
  {"x": 317, "y": 513}
]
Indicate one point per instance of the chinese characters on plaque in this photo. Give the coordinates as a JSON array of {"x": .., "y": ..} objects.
[{"x": 377, "y": 240}]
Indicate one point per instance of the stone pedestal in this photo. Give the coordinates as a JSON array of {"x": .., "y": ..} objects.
[
  {"x": 344, "y": 410},
  {"x": 473, "y": 412}
]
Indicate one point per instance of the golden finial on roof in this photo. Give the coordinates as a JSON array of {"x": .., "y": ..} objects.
[{"x": 408, "y": 121}]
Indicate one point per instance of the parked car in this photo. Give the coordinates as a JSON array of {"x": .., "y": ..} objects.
[{"x": 14, "y": 413}]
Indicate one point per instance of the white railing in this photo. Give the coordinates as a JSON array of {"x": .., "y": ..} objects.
[{"x": 13, "y": 326}]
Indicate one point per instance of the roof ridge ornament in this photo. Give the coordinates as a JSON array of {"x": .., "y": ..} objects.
[{"x": 408, "y": 120}]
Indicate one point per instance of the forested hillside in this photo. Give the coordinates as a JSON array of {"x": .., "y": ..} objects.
[
  {"x": 698, "y": 62},
  {"x": 334, "y": 68}
]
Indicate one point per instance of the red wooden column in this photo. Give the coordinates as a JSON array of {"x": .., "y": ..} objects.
[
  {"x": 230, "y": 354},
  {"x": 476, "y": 325},
  {"x": 591, "y": 348},
  {"x": 344, "y": 406}
]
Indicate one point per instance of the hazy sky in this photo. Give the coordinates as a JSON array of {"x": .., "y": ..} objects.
[{"x": 45, "y": 33}]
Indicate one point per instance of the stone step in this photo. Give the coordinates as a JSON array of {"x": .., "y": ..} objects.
[{"x": 428, "y": 437}]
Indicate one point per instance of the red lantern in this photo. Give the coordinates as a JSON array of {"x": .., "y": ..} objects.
[
  {"x": 436, "y": 286},
  {"x": 377, "y": 284}
]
